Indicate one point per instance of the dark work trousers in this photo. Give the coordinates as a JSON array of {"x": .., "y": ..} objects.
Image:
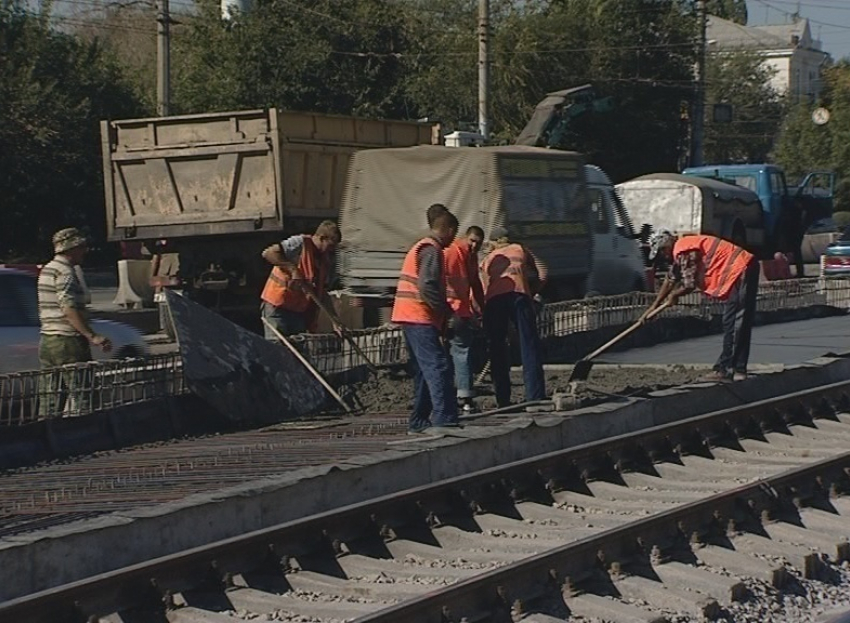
[
  {"x": 432, "y": 378},
  {"x": 499, "y": 312},
  {"x": 738, "y": 315}
]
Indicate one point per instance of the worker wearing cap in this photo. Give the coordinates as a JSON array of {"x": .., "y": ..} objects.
[
  {"x": 721, "y": 270},
  {"x": 466, "y": 298},
  {"x": 421, "y": 310},
  {"x": 65, "y": 334},
  {"x": 302, "y": 264},
  {"x": 512, "y": 276}
]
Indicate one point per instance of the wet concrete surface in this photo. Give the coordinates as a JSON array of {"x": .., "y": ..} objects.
[
  {"x": 392, "y": 391},
  {"x": 787, "y": 343}
]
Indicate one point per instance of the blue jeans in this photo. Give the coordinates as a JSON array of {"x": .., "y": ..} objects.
[
  {"x": 738, "y": 315},
  {"x": 434, "y": 401},
  {"x": 285, "y": 321},
  {"x": 460, "y": 347},
  {"x": 498, "y": 314}
]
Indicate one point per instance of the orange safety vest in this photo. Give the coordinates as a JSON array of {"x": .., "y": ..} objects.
[
  {"x": 723, "y": 263},
  {"x": 312, "y": 266},
  {"x": 504, "y": 271},
  {"x": 408, "y": 305},
  {"x": 459, "y": 265}
]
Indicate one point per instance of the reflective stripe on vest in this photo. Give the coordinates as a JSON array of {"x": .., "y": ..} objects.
[
  {"x": 458, "y": 266},
  {"x": 408, "y": 305},
  {"x": 723, "y": 262},
  {"x": 277, "y": 291},
  {"x": 505, "y": 271}
]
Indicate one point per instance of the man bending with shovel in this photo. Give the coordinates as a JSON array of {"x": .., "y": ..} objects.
[{"x": 721, "y": 270}]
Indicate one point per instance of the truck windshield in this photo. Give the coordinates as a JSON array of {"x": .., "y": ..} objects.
[{"x": 745, "y": 181}]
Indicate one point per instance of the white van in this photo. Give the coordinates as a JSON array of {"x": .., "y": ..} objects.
[{"x": 618, "y": 265}]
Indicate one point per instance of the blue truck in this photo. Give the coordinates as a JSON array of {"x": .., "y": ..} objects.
[{"x": 788, "y": 211}]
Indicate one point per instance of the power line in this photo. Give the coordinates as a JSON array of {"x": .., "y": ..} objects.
[{"x": 812, "y": 21}]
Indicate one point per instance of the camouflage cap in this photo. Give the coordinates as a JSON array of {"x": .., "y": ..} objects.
[{"x": 67, "y": 239}]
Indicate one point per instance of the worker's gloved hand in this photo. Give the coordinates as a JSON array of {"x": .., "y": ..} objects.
[{"x": 538, "y": 303}]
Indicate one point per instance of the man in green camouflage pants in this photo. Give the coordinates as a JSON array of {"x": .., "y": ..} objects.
[{"x": 66, "y": 336}]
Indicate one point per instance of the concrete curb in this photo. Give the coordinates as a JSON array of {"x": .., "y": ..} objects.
[{"x": 47, "y": 558}]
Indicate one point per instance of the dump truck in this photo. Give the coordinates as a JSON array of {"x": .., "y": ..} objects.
[
  {"x": 216, "y": 188},
  {"x": 539, "y": 195}
]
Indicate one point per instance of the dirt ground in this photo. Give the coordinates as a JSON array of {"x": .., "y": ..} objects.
[{"x": 392, "y": 391}]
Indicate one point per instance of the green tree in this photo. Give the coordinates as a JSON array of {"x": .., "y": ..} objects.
[
  {"x": 804, "y": 145},
  {"x": 335, "y": 56},
  {"x": 733, "y": 10},
  {"x": 741, "y": 81},
  {"x": 54, "y": 89}
]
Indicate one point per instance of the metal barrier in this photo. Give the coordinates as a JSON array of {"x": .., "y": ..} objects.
[{"x": 78, "y": 389}]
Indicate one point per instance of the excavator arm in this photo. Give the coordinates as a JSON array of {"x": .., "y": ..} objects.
[{"x": 553, "y": 116}]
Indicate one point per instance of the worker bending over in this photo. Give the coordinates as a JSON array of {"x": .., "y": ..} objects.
[
  {"x": 512, "y": 276},
  {"x": 466, "y": 297},
  {"x": 421, "y": 310},
  {"x": 723, "y": 271},
  {"x": 302, "y": 264}
]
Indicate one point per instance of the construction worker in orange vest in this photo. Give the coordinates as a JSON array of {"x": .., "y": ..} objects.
[
  {"x": 301, "y": 263},
  {"x": 466, "y": 298},
  {"x": 721, "y": 270},
  {"x": 512, "y": 276},
  {"x": 421, "y": 310}
]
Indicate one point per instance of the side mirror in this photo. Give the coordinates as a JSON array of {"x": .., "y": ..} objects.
[{"x": 645, "y": 232}]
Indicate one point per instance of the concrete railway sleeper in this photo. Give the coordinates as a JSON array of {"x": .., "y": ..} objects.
[{"x": 670, "y": 522}]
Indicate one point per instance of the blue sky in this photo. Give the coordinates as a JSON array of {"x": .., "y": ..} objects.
[{"x": 829, "y": 20}]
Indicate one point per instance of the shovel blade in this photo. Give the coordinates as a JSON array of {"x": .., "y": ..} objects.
[{"x": 581, "y": 370}]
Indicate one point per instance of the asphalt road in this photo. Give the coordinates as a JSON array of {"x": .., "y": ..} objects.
[{"x": 787, "y": 343}]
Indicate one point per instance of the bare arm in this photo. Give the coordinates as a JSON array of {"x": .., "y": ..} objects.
[
  {"x": 274, "y": 255},
  {"x": 82, "y": 327}
]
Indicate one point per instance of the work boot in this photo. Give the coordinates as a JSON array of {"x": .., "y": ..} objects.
[
  {"x": 716, "y": 376},
  {"x": 739, "y": 376},
  {"x": 467, "y": 406}
]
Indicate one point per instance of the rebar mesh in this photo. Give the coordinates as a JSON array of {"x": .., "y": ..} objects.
[{"x": 78, "y": 389}]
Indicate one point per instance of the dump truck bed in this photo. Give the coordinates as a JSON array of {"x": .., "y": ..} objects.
[{"x": 234, "y": 172}]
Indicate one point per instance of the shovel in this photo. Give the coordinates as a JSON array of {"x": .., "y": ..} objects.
[{"x": 582, "y": 368}]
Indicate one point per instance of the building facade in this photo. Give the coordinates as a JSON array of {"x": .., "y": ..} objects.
[{"x": 788, "y": 49}]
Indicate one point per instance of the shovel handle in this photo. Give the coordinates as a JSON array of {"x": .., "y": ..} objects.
[
  {"x": 627, "y": 332},
  {"x": 306, "y": 363}
]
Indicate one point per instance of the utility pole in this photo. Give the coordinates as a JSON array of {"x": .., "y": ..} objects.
[
  {"x": 483, "y": 67},
  {"x": 698, "y": 122},
  {"x": 163, "y": 58}
]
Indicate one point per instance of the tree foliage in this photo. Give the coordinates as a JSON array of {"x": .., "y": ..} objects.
[
  {"x": 804, "y": 146},
  {"x": 742, "y": 81},
  {"x": 54, "y": 89},
  {"x": 733, "y": 10}
]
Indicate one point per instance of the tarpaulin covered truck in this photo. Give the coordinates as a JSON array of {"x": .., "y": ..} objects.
[
  {"x": 219, "y": 187},
  {"x": 695, "y": 205},
  {"x": 539, "y": 194}
]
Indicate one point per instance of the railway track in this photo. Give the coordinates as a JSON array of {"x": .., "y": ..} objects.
[{"x": 688, "y": 521}]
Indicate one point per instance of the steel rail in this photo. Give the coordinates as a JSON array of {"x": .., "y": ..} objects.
[
  {"x": 493, "y": 594},
  {"x": 336, "y": 532}
]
